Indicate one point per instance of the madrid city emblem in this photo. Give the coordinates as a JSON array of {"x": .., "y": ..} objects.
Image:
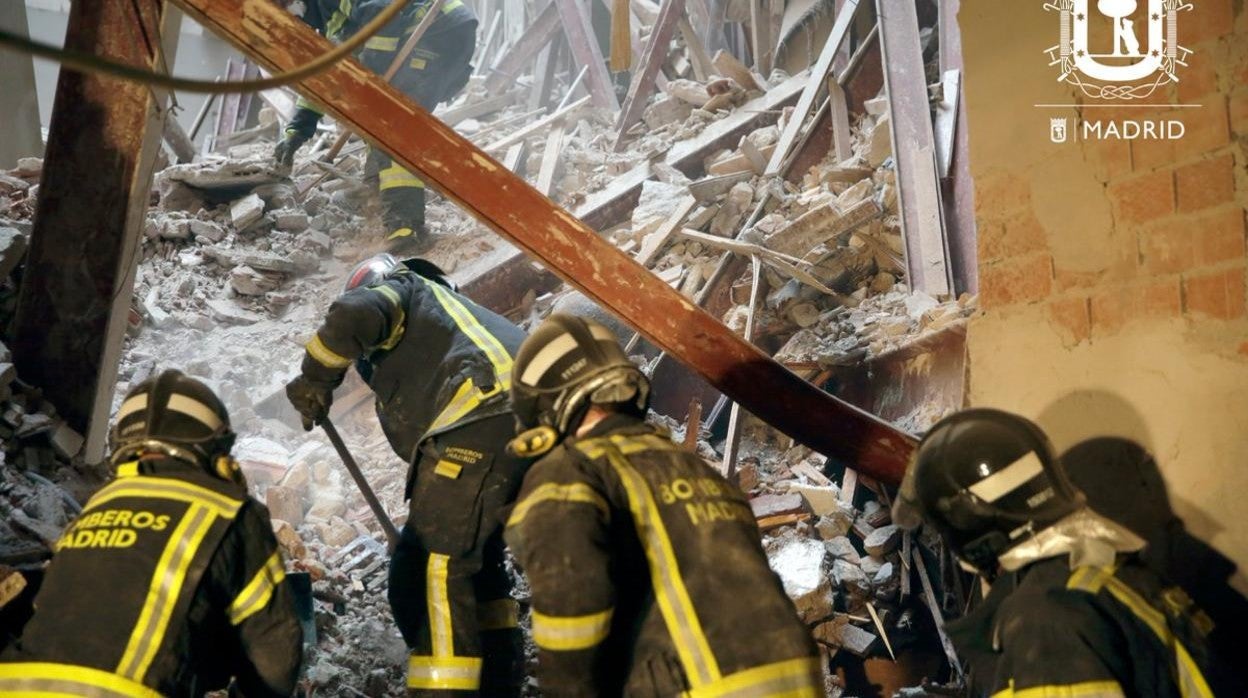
[{"x": 1100, "y": 50}]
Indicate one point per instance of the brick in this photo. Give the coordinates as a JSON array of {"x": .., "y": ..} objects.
[
  {"x": 1024, "y": 280},
  {"x": 1021, "y": 233},
  {"x": 1205, "y": 184},
  {"x": 1168, "y": 247},
  {"x": 1239, "y": 110},
  {"x": 1218, "y": 294},
  {"x": 1207, "y": 129},
  {"x": 1207, "y": 20},
  {"x": 1142, "y": 198},
  {"x": 1109, "y": 310},
  {"x": 1198, "y": 80},
  {"x": 1159, "y": 299},
  {"x": 1219, "y": 235},
  {"x": 1001, "y": 191},
  {"x": 1110, "y": 159},
  {"x": 1069, "y": 316}
]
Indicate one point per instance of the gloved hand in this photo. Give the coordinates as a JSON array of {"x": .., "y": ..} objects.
[
  {"x": 284, "y": 152},
  {"x": 311, "y": 399}
]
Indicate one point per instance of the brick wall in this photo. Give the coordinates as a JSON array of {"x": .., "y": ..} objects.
[{"x": 1113, "y": 273}]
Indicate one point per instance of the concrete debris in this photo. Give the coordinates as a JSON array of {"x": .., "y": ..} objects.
[
  {"x": 249, "y": 282},
  {"x": 883, "y": 540},
  {"x": 799, "y": 564},
  {"x": 844, "y": 634},
  {"x": 246, "y": 211},
  {"x": 777, "y": 505}
]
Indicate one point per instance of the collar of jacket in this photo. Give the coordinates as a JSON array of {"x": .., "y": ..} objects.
[
  {"x": 618, "y": 423},
  {"x": 1086, "y": 536}
]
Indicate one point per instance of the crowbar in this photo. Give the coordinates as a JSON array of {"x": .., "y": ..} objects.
[{"x": 392, "y": 533}]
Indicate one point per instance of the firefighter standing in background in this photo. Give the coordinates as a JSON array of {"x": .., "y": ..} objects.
[
  {"x": 1071, "y": 611},
  {"x": 436, "y": 71},
  {"x": 170, "y": 581},
  {"x": 440, "y": 367},
  {"x": 647, "y": 572}
]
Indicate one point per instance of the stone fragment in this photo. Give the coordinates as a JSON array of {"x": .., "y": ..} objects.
[
  {"x": 831, "y": 527},
  {"x": 799, "y": 564},
  {"x": 209, "y": 231},
  {"x": 690, "y": 91},
  {"x": 176, "y": 229},
  {"x": 777, "y": 505},
  {"x": 841, "y": 633},
  {"x": 229, "y": 313},
  {"x": 316, "y": 241},
  {"x": 11, "y": 185},
  {"x": 666, "y": 110},
  {"x": 284, "y": 503},
  {"x": 289, "y": 540},
  {"x": 734, "y": 209},
  {"x": 822, "y": 500},
  {"x": 883, "y": 282},
  {"x": 245, "y": 211},
  {"x": 336, "y": 532},
  {"x": 290, "y": 220},
  {"x": 850, "y": 577},
  {"x": 12, "y": 249},
  {"x": 882, "y": 540},
  {"x": 885, "y": 575},
  {"x": 871, "y": 565},
  {"x": 326, "y": 506},
  {"x": 65, "y": 441},
  {"x": 880, "y": 144},
  {"x": 803, "y": 314},
  {"x": 249, "y": 282},
  {"x": 747, "y": 476},
  {"x": 842, "y": 548},
  {"x": 854, "y": 194},
  {"x": 28, "y": 168},
  {"x": 876, "y": 106}
]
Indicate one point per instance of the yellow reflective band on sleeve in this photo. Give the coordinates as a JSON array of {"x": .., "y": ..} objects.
[
  {"x": 255, "y": 596},
  {"x": 675, "y": 603},
  {"x": 399, "y": 324},
  {"x": 571, "y": 633},
  {"x": 162, "y": 595},
  {"x": 499, "y": 614},
  {"x": 1087, "y": 689},
  {"x": 128, "y": 469},
  {"x": 553, "y": 492},
  {"x": 1192, "y": 683},
  {"x": 466, "y": 399},
  {"x": 444, "y": 673},
  {"x": 324, "y": 355},
  {"x": 167, "y": 488},
  {"x": 445, "y": 468},
  {"x": 304, "y": 103},
  {"x": 417, "y": 64},
  {"x": 49, "y": 679},
  {"x": 336, "y": 21},
  {"x": 396, "y": 176},
  {"x": 383, "y": 43},
  {"x": 438, "y": 598},
  {"x": 794, "y": 678}
]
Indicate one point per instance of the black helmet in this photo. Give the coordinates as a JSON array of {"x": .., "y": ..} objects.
[
  {"x": 567, "y": 364},
  {"x": 175, "y": 416},
  {"x": 987, "y": 480},
  {"x": 376, "y": 268}
]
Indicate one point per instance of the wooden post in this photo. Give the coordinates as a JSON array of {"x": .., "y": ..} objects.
[
  {"x": 652, "y": 60},
  {"x": 587, "y": 52},
  {"x": 513, "y": 62},
  {"x": 71, "y": 317}
]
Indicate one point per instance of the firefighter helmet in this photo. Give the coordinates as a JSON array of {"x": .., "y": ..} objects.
[
  {"x": 375, "y": 269},
  {"x": 176, "y": 416},
  {"x": 987, "y": 480},
  {"x": 567, "y": 364}
]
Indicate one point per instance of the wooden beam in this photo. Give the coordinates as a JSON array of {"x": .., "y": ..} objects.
[
  {"x": 653, "y": 58},
  {"x": 703, "y": 68},
  {"x": 727, "y": 65},
  {"x": 654, "y": 242},
  {"x": 811, "y": 94},
  {"x": 760, "y": 35},
  {"x": 482, "y": 187},
  {"x": 541, "y": 124},
  {"x": 918, "y": 187},
  {"x": 732, "y": 444},
  {"x": 517, "y": 58},
  {"x": 93, "y": 199},
  {"x": 177, "y": 140},
  {"x": 550, "y": 160},
  {"x": 584, "y": 44},
  {"x": 621, "y": 36}
]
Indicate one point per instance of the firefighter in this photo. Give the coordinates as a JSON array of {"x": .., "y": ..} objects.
[
  {"x": 647, "y": 572},
  {"x": 440, "y": 367},
  {"x": 436, "y": 71},
  {"x": 170, "y": 581},
  {"x": 1071, "y": 611}
]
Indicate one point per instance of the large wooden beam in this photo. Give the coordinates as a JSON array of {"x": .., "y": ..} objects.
[
  {"x": 918, "y": 186},
  {"x": 651, "y": 61},
  {"x": 93, "y": 197},
  {"x": 565, "y": 245},
  {"x": 516, "y": 59},
  {"x": 584, "y": 44}
]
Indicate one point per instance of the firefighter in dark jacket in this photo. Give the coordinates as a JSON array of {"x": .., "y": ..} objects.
[
  {"x": 648, "y": 575},
  {"x": 436, "y": 71},
  {"x": 170, "y": 581},
  {"x": 1071, "y": 611},
  {"x": 440, "y": 367}
]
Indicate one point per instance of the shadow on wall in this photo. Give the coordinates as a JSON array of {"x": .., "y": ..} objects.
[{"x": 1122, "y": 481}]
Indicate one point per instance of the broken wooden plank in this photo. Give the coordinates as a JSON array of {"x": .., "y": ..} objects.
[
  {"x": 474, "y": 109},
  {"x": 621, "y": 36},
  {"x": 768, "y": 523},
  {"x": 703, "y": 68},
  {"x": 728, "y": 66},
  {"x": 760, "y": 35},
  {"x": 732, "y": 443},
  {"x": 177, "y": 140},
  {"x": 652, "y": 60},
  {"x": 918, "y": 189},
  {"x": 819, "y": 225},
  {"x": 506, "y": 142},
  {"x": 929, "y": 598},
  {"x": 740, "y": 162},
  {"x": 550, "y": 160},
  {"x": 947, "y": 120},
  {"x": 693, "y": 425},
  {"x": 584, "y": 44},
  {"x": 842, "y": 142},
  {"x": 655, "y": 242},
  {"x": 483, "y": 50},
  {"x": 813, "y": 88},
  {"x": 515, "y": 60},
  {"x": 514, "y": 155}
]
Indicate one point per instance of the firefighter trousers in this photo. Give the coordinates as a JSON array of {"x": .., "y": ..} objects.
[
  {"x": 449, "y": 586},
  {"x": 437, "y": 70}
]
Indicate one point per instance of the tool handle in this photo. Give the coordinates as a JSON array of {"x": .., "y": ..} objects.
[{"x": 392, "y": 533}]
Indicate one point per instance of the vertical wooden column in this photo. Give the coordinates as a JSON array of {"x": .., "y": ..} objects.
[{"x": 93, "y": 198}]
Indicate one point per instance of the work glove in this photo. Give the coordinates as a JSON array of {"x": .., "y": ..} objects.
[{"x": 310, "y": 399}]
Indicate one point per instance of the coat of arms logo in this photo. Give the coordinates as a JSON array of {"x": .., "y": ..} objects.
[
  {"x": 1057, "y": 130},
  {"x": 1148, "y": 67}
]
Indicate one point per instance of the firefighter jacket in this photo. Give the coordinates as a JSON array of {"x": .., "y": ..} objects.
[
  {"x": 1094, "y": 632},
  {"x": 434, "y": 359},
  {"x": 340, "y": 19},
  {"x": 167, "y": 584},
  {"x": 648, "y": 575}
]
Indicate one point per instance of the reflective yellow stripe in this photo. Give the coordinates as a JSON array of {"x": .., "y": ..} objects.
[
  {"x": 167, "y": 488},
  {"x": 554, "y": 492},
  {"x": 163, "y": 593},
  {"x": 439, "y": 601},
  {"x": 675, "y": 604},
  {"x": 794, "y": 678},
  {"x": 324, "y": 355},
  {"x": 1087, "y": 689},
  {"x": 255, "y": 596},
  {"x": 448, "y": 673},
  {"x": 128, "y": 469},
  {"x": 339, "y": 18},
  {"x": 304, "y": 103},
  {"x": 500, "y": 614},
  {"x": 396, "y": 176},
  {"x": 1192, "y": 683},
  {"x": 466, "y": 399},
  {"x": 46, "y": 678},
  {"x": 417, "y": 64},
  {"x": 445, "y": 468},
  {"x": 399, "y": 325},
  {"x": 571, "y": 633},
  {"x": 1089, "y": 579},
  {"x": 383, "y": 43}
]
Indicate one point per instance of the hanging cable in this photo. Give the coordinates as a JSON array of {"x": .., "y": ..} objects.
[{"x": 91, "y": 63}]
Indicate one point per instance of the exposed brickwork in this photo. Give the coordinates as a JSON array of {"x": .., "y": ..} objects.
[
  {"x": 1218, "y": 294},
  {"x": 1205, "y": 184},
  {"x": 1022, "y": 280},
  {"x": 1142, "y": 198},
  {"x": 1069, "y": 316}
]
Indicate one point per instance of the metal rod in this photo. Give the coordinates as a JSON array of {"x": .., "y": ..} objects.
[{"x": 392, "y": 533}]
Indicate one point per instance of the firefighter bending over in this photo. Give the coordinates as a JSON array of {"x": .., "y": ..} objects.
[
  {"x": 170, "y": 582},
  {"x": 436, "y": 71},
  {"x": 440, "y": 366},
  {"x": 647, "y": 572},
  {"x": 1072, "y": 611}
]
